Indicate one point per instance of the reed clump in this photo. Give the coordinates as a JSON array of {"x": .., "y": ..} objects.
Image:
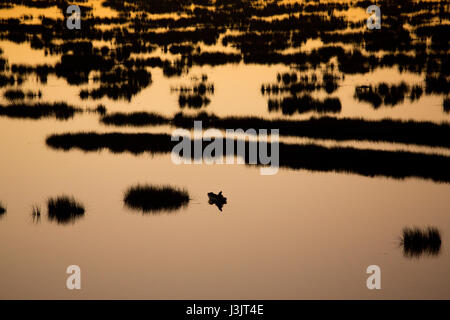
[
  {"x": 417, "y": 242},
  {"x": 2, "y": 209},
  {"x": 150, "y": 198},
  {"x": 64, "y": 209},
  {"x": 447, "y": 104}
]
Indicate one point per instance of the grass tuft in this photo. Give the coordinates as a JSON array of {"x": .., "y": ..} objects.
[
  {"x": 447, "y": 105},
  {"x": 417, "y": 242},
  {"x": 36, "y": 214},
  {"x": 2, "y": 209},
  {"x": 36, "y": 211},
  {"x": 64, "y": 209},
  {"x": 148, "y": 198}
]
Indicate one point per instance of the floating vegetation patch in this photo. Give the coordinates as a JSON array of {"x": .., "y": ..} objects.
[
  {"x": 58, "y": 110},
  {"x": 154, "y": 199},
  {"x": 418, "y": 242},
  {"x": 64, "y": 209}
]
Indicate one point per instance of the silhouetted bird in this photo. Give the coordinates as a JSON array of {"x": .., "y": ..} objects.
[{"x": 218, "y": 199}]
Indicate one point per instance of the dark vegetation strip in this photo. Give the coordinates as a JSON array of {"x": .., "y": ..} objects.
[
  {"x": 58, "y": 110},
  {"x": 370, "y": 163},
  {"x": 408, "y": 132},
  {"x": 18, "y": 94},
  {"x": 134, "y": 119},
  {"x": 193, "y": 101},
  {"x": 294, "y": 84},
  {"x": 387, "y": 95},
  {"x": 304, "y": 104}
]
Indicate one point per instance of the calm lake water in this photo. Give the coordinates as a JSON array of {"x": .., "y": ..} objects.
[{"x": 299, "y": 234}]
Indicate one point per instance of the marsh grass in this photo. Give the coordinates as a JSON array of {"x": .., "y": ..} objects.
[
  {"x": 193, "y": 101},
  {"x": 303, "y": 104},
  {"x": 101, "y": 109},
  {"x": 134, "y": 119},
  {"x": 36, "y": 214},
  {"x": 447, "y": 105},
  {"x": 395, "y": 164},
  {"x": 154, "y": 199},
  {"x": 294, "y": 83},
  {"x": 417, "y": 242},
  {"x": 18, "y": 94},
  {"x": 384, "y": 94},
  {"x": 64, "y": 209},
  {"x": 14, "y": 94},
  {"x": 36, "y": 211},
  {"x": 340, "y": 129},
  {"x": 2, "y": 209},
  {"x": 58, "y": 110}
]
